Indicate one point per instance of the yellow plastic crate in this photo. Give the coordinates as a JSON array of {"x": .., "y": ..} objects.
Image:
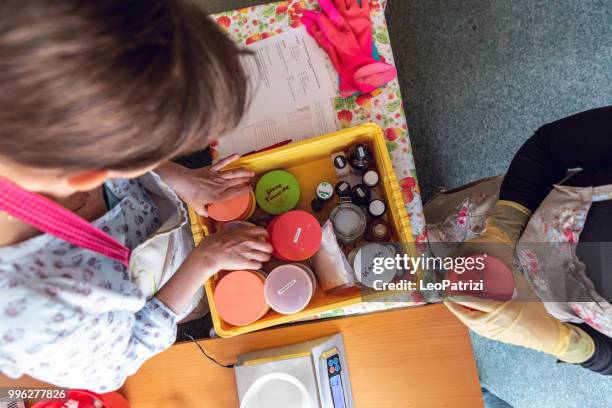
[{"x": 309, "y": 161}]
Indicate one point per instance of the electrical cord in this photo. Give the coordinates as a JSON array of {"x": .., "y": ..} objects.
[{"x": 206, "y": 354}]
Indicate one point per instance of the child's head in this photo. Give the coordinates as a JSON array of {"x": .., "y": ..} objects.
[{"x": 91, "y": 89}]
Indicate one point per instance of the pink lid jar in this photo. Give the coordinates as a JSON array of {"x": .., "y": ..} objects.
[{"x": 289, "y": 288}]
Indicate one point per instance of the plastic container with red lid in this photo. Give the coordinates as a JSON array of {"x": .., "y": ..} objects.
[
  {"x": 295, "y": 235},
  {"x": 85, "y": 399}
]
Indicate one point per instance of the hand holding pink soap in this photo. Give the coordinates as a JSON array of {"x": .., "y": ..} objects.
[{"x": 497, "y": 279}]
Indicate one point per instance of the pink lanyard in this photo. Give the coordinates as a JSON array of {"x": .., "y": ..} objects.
[{"x": 50, "y": 217}]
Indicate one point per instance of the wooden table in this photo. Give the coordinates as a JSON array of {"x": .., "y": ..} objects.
[
  {"x": 404, "y": 358},
  {"x": 408, "y": 358}
]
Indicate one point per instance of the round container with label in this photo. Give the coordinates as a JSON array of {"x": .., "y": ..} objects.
[
  {"x": 237, "y": 208},
  {"x": 343, "y": 189},
  {"x": 360, "y": 194},
  {"x": 377, "y": 208},
  {"x": 369, "y": 264},
  {"x": 239, "y": 297},
  {"x": 349, "y": 222},
  {"x": 288, "y": 288},
  {"x": 340, "y": 164},
  {"x": 360, "y": 158},
  {"x": 378, "y": 231},
  {"x": 277, "y": 191},
  {"x": 295, "y": 235},
  {"x": 325, "y": 191},
  {"x": 370, "y": 178}
]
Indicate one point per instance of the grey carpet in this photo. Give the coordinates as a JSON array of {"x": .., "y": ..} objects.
[
  {"x": 479, "y": 77},
  {"x": 528, "y": 379}
]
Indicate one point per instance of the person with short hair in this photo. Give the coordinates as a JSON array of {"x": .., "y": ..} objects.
[{"x": 96, "y": 98}]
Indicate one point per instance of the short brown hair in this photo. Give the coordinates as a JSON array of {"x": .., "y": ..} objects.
[{"x": 113, "y": 84}]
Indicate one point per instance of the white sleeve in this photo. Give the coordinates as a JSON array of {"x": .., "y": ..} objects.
[{"x": 49, "y": 338}]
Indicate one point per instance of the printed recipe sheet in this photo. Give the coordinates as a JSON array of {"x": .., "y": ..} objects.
[{"x": 291, "y": 92}]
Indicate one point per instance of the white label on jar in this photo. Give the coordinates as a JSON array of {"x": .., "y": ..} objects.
[
  {"x": 377, "y": 207},
  {"x": 288, "y": 286},
  {"x": 370, "y": 178},
  {"x": 296, "y": 237}
]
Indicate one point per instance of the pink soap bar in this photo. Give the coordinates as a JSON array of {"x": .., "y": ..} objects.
[
  {"x": 497, "y": 279},
  {"x": 239, "y": 297},
  {"x": 288, "y": 288}
]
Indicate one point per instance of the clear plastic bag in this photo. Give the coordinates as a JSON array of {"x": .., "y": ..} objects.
[{"x": 330, "y": 264}]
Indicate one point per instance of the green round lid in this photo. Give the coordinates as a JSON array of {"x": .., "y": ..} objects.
[{"x": 277, "y": 192}]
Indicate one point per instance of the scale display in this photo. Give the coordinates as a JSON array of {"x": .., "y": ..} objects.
[{"x": 334, "y": 373}]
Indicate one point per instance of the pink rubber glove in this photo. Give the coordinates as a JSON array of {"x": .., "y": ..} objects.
[
  {"x": 357, "y": 14},
  {"x": 357, "y": 69}
]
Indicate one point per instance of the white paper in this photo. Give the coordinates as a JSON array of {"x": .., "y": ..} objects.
[{"x": 291, "y": 98}]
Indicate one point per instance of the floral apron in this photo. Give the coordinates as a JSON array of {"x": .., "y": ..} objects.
[
  {"x": 546, "y": 251},
  {"x": 547, "y": 257},
  {"x": 154, "y": 261}
]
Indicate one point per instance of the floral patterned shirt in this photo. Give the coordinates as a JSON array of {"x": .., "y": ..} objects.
[{"x": 71, "y": 317}]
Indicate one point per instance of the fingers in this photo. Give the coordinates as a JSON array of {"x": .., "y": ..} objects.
[
  {"x": 255, "y": 231},
  {"x": 201, "y": 210},
  {"x": 329, "y": 28},
  {"x": 256, "y": 256},
  {"x": 332, "y": 12},
  {"x": 469, "y": 302},
  {"x": 245, "y": 263},
  {"x": 237, "y": 182},
  {"x": 309, "y": 19},
  {"x": 235, "y": 191},
  {"x": 341, "y": 5},
  {"x": 224, "y": 162},
  {"x": 260, "y": 246},
  {"x": 236, "y": 173},
  {"x": 365, "y": 7},
  {"x": 461, "y": 311}
]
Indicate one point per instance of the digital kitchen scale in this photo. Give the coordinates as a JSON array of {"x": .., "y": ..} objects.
[{"x": 313, "y": 374}]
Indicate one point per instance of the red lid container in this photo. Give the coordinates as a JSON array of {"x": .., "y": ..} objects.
[
  {"x": 85, "y": 399},
  {"x": 295, "y": 235}
]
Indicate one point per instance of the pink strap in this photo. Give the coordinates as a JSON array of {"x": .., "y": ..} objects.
[{"x": 50, "y": 217}]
